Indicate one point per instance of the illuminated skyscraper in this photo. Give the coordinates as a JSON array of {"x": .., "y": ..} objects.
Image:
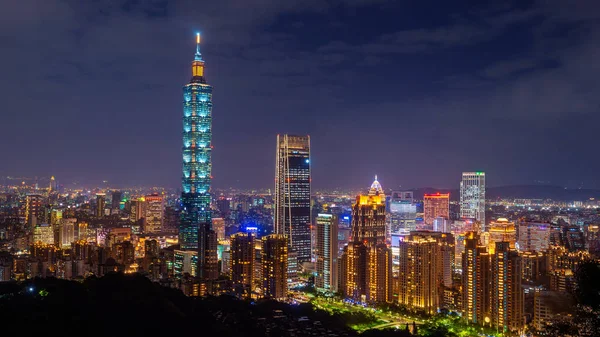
[
  {"x": 138, "y": 209},
  {"x": 100, "y": 204},
  {"x": 52, "y": 187},
  {"x": 402, "y": 212},
  {"x": 367, "y": 259},
  {"x": 502, "y": 230},
  {"x": 66, "y": 232},
  {"x": 472, "y": 196},
  {"x": 155, "y": 209},
  {"x": 379, "y": 275},
  {"x": 368, "y": 216},
  {"x": 418, "y": 277},
  {"x": 274, "y": 265},
  {"x": 534, "y": 236},
  {"x": 34, "y": 210},
  {"x": 115, "y": 204},
  {"x": 195, "y": 230},
  {"x": 197, "y": 161},
  {"x": 292, "y": 194},
  {"x": 436, "y": 205},
  {"x": 507, "y": 295},
  {"x": 241, "y": 261},
  {"x": 327, "y": 252},
  {"x": 476, "y": 283}
]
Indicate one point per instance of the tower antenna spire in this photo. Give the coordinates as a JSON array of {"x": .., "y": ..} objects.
[{"x": 198, "y": 56}]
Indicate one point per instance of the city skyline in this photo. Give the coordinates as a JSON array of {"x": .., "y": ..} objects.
[
  {"x": 265, "y": 64},
  {"x": 463, "y": 259}
]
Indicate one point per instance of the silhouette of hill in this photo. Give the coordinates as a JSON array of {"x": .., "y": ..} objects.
[{"x": 131, "y": 305}]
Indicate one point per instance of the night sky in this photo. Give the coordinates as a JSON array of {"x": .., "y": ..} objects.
[{"x": 91, "y": 90}]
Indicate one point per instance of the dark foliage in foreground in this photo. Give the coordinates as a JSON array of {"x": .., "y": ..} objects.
[
  {"x": 585, "y": 322},
  {"x": 131, "y": 305}
]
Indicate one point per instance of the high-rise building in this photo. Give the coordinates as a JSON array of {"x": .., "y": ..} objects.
[
  {"x": 368, "y": 216},
  {"x": 292, "y": 194},
  {"x": 185, "y": 262},
  {"x": 44, "y": 234},
  {"x": 441, "y": 224},
  {"x": 534, "y": 236},
  {"x": 402, "y": 212},
  {"x": 327, "y": 252},
  {"x": 367, "y": 259},
  {"x": 138, "y": 209},
  {"x": 52, "y": 187},
  {"x": 507, "y": 295},
  {"x": 154, "y": 216},
  {"x": 436, "y": 205},
  {"x": 476, "y": 282},
  {"x": 241, "y": 261},
  {"x": 197, "y": 160},
  {"x": 218, "y": 225},
  {"x": 534, "y": 266},
  {"x": 379, "y": 275},
  {"x": 100, "y": 204},
  {"x": 472, "y": 196},
  {"x": 502, "y": 230},
  {"x": 274, "y": 265},
  {"x": 419, "y": 276},
  {"x": 115, "y": 203},
  {"x": 66, "y": 232},
  {"x": 208, "y": 258},
  {"x": 34, "y": 210}
]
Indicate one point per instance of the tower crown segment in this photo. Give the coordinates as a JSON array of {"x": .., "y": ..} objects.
[
  {"x": 376, "y": 188},
  {"x": 198, "y": 63}
]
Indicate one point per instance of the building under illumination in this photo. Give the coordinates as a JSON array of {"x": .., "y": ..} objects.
[
  {"x": 274, "y": 261},
  {"x": 534, "y": 236},
  {"x": 197, "y": 161},
  {"x": 367, "y": 259},
  {"x": 195, "y": 230},
  {"x": 420, "y": 271},
  {"x": 476, "y": 301},
  {"x": 327, "y": 253},
  {"x": 43, "y": 234},
  {"x": 402, "y": 212},
  {"x": 241, "y": 270},
  {"x": 502, "y": 230},
  {"x": 368, "y": 216},
  {"x": 436, "y": 205},
  {"x": 155, "y": 209},
  {"x": 100, "y": 204},
  {"x": 292, "y": 195},
  {"x": 507, "y": 294},
  {"x": 472, "y": 196},
  {"x": 34, "y": 210}
]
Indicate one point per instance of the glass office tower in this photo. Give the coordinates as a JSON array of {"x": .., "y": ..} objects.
[
  {"x": 292, "y": 194},
  {"x": 472, "y": 197},
  {"x": 197, "y": 136}
]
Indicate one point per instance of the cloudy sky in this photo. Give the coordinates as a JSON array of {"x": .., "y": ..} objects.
[{"x": 416, "y": 93}]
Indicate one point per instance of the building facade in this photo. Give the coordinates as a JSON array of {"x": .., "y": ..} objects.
[
  {"x": 327, "y": 252},
  {"x": 155, "y": 213},
  {"x": 197, "y": 155},
  {"x": 274, "y": 261},
  {"x": 241, "y": 270},
  {"x": 472, "y": 196},
  {"x": 434, "y": 206},
  {"x": 292, "y": 194}
]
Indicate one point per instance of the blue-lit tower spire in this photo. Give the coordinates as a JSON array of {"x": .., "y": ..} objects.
[{"x": 197, "y": 137}]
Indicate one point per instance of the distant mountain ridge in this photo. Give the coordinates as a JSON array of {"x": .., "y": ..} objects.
[{"x": 521, "y": 192}]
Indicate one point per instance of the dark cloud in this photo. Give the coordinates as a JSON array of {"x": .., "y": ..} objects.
[{"x": 92, "y": 89}]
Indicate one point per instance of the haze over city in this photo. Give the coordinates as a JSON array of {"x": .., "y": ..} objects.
[{"x": 416, "y": 93}]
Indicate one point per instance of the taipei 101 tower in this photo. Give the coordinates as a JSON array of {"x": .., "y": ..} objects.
[{"x": 195, "y": 231}]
